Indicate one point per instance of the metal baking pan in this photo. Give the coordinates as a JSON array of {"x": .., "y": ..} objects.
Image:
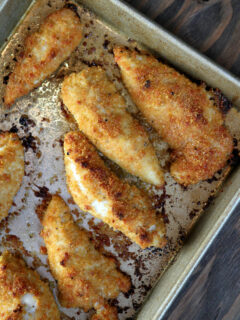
[{"x": 42, "y": 130}]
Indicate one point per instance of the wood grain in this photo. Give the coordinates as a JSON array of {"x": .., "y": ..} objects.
[
  {"x": 212, "y": 27},
  {"x": 213, "y": 290}
]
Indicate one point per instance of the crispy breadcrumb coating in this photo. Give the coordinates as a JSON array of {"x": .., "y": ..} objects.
[
  {"x": 101, "y": 114},
  {"x": 45, "y": 50},
  {"x": 23, "y": 295},
  {"x": 183, "y": 113},
  {"x": 86, "y": 278},
  {"x": 11, "y": 170},
  {"x": 96, "y": 189}
]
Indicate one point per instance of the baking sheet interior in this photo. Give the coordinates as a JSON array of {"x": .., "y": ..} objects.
[{"x": 41, "y": 120}]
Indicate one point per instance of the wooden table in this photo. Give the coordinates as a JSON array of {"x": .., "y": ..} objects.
[{"x": 213, "y": 27}]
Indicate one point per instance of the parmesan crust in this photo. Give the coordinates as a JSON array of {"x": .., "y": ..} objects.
[
  {"x": 11, "y": 170},
  {"x": 101, "y": 114},
  {"x": 23, "y": 295},
  {"x": 96, "y": 189},
  {"x": 184, "y": 114},
  {"x": 45, "y": 50},
  {"x": 86, "y": 278}
]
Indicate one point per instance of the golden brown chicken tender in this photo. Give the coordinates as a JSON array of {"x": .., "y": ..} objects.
[
  {"x": 183, "y": 113},
  {"x": 11, "y": 170},
  {"x": 101, "y": 114},
  {"x": 86, "y": 278},
  {"x": 44, "y": 51},
  {"x": 23, "y": 295},
  {"x": 96, "y": 189}
]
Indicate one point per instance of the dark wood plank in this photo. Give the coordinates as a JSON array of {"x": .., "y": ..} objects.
[
  {"x": 213, "y": 290},
  {"x": 212, "y": 27}
]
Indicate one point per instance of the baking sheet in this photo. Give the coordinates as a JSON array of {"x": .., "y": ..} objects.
[{"x": 41, "y": 120}]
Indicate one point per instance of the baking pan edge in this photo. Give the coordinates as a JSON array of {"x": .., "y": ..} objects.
[
  {"x": 200, "y": 239},
  {"x": 185, "y": 58}
]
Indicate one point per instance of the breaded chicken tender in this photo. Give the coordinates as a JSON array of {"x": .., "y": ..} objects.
[
  {"x": 44, "y": 51},
  {"x": 23, "y": 295},
  {"x": 183, "y": 113},
  {"x": 11, "y": 170},
  {"x": 96, "y": 189},
  {"x": 101, "y": 114},
  {"x": 86, "y": 278}
]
